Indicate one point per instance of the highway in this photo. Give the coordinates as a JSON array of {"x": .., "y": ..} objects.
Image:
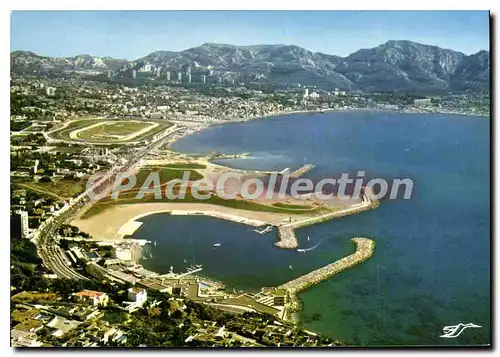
[{"x": 52, "y": 255}]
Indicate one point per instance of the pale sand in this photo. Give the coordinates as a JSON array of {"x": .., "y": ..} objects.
[
  {"x": 107, "y": 225},
  {"x": 129, "y": 228}
]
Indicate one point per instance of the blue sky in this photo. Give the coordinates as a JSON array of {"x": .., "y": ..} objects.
[{"x": 133, "y": 34}]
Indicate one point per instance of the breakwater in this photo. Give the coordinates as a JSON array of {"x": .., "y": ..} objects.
[
  {"x": 286, "y": 231},
  {"x": 364, "y": 250},
  {"x": 302, "y": 170}
]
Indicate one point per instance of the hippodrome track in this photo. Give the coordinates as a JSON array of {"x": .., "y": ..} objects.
[{"x": 72, "y": 139}]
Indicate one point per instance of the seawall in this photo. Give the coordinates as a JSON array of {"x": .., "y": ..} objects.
[
  {"x": 286, "y": 232},
  {"x": 364, "y": 250}
]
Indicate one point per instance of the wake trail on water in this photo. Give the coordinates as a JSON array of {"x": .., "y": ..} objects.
[{"x": 310, "y": 248}]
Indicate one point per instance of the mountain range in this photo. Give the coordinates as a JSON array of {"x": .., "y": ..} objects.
[{"x": 392, "y": 66}]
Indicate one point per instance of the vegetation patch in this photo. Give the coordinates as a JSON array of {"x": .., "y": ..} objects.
[
  {"x": 113, "y": 130},
  {"x": 27, "y": 296},
  {"x": 60, "y": 188},
  {"x": 102, "y": 205},
  {"x": 187, "y": 165},
  {"x": 165, "y": 174},
  {"x": 289, "y": 206},
  {"x": 109, "y": 131}
]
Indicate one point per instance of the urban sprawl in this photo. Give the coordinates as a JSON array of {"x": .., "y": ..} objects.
[{"x": 70, "y": 287}]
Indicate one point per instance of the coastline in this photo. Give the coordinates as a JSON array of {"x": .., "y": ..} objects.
[
  {"x": 216, "y": 122},
  {"x": 118, "y": 217}
]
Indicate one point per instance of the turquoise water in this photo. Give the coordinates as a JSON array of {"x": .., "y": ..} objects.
[{"x": 431, "y": 267}]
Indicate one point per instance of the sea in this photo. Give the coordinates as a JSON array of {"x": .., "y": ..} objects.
[{"x": 431, "y": 267}]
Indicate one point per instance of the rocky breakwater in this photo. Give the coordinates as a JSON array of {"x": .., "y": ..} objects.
[
  {"x": 364, "y": 250},
  {"x": 286, "y": 231}
]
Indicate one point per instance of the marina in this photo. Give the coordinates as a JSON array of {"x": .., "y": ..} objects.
[{"x": 391, "y": 223}]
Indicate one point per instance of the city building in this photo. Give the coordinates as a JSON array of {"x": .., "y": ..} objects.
[
  {"x": 314, "y": 95},
  {"x": 219, "y": 80},
  {"x": 19, "y": 224},
  {"x": 189, "y": 77},
  {"x": 203, "y": 79},
  {"x": 134, "y": 74},
  {"x": 109, "y": 73},
  {"x": 124, "y": 253},
  {"x": 158, "y": 73},
  {"x": 168, "y": 75},
  {"x": 422, "y": 102},
  {"x": 279, "y": 297},
  {"x": 137, "y": 295},
  {"x": 179, "y": 76},
  {"x": 306, "y": 92},
  {"x": 93, "y": 297},
  {"x": 51, "y": 91},
  {"x": 35, "y": 166}
]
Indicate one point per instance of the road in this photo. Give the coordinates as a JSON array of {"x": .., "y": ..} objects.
[{"x": 52, "y": 255}]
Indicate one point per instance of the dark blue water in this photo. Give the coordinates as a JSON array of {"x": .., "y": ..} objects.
[{"x": 432, "y": 260}]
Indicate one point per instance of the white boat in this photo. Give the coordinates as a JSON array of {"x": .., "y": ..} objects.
[
  {"x": 217, "y": 245},
  {"x": 265, "y": 230},
  {"x": 290, "y": 267},
  {"x": 308, "y": 239}
]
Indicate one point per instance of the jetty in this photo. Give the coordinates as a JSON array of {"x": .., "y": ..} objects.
[
  {"x": 302, "y": 170},
  {"x": 286, "y": 231},
  {"x": 364, "y": 250}
]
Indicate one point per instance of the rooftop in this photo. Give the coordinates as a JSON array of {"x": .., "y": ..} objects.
[{"x": 89, "y": 293}]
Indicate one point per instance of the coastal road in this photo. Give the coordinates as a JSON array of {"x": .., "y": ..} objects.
[{"x": 47, "y": 247}]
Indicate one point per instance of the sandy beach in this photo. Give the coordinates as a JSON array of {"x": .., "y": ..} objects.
[{"x": 118, "y": 221}]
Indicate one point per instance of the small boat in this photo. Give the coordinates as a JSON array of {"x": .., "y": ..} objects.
[
  {"x": 155, "y": 244},
  {"x": 308, "y": 239},
  {"x": 217, "y": 245},
  {"x": 185, "y": 261},
  {"x": 263, "y": 231},
  {"x": 290, "y": 267}
]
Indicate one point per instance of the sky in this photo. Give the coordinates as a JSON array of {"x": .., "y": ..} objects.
[{"x": 133, "y": 34}]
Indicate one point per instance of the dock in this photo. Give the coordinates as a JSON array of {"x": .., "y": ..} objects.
[
  {"x": 364, "y": 250},
  {"x": 286, "y": 231}
]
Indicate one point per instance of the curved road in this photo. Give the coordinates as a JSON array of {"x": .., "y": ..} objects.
[{"x": 51, "y": 254}]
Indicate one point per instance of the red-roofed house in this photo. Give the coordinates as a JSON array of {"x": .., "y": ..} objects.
[{"x": 94, "y": 297}]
